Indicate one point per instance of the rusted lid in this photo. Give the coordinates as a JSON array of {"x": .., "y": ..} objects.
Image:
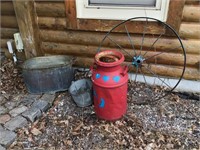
[{"x": 108, "y": 58}]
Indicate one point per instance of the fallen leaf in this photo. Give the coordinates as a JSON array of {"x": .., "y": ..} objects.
[
  {"x": 150, "y": 146},
  {"x": 79, "y": 126},
  {"x": 65, "y": 122},
  {"x": 35, "y": 131},
  {"x": 68, "y": 142},
  {"x": 75, "y": 133},
  {"x": 42, "y": 125}
]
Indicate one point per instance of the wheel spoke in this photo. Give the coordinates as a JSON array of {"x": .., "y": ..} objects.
[
  {"x": 162, "y": 83},
  {"x": 120, "y": 47},
  {"x": 161, "y": 53},
  {"x": 129, "y": 37},
  {"x": 158, "y": 77},
  {"x": 154, "y": 43},
  {"x": 144, "y": 32},
  {"x": 143, "y": 76},
  {"x": 136, "y": 74}
]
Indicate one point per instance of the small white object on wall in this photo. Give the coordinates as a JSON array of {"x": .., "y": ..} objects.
[{"x": 18, "y": 42}]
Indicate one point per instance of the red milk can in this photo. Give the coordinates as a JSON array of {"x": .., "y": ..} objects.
[{"x": 110, "y": 83}]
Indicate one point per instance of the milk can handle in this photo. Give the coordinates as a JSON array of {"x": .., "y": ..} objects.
[
  {"x": 125, "y": 70},
  {"x": 92, "y": 67}
]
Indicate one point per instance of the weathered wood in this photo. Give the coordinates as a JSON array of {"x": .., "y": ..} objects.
[
  {"x": 27, "y": 21},
  {"x": 6, "y": 53},
  {"x": 94, "y": 38},
  {"x": 9, "y": 22},
  {"x": 7, "y": 8},
  {"x": 98, "y": 25},
  {"x": 190, "y": 30},
  {"x": 69, "y": 49},
  {"x": 90, "y": 51},
  {"x": 175, "y": 13},
  {"x": 106, "y": 25},
  {"x": 20, "y": 55},
  {"x": 192, "y": 46},
  {"x": 8, "y": 32},
  {"x": 170, "y": 71},
  {"x": 192, "y": 2},
  {"x": 51, "y": 9},
  {"x": 52, "y": 23},
  {"x": 166, "y": 71},
  {"x": 191, "y": 13},
  {"x": 174, "y": 19},
  {"x": 4, "y": 43},
  {"x": 71, "y": 14},
  {"x": 52, "y": 1}
]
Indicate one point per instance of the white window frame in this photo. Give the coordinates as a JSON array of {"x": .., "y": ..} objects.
[{"x": 86, "y": 11}]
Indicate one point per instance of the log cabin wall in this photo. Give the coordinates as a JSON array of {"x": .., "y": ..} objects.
[
  {"x": 59, "y": 33},
  {"x": 190, "y": 33},
  {"x": 9, "y": 25},
  {"x": 61, "y": 36}
]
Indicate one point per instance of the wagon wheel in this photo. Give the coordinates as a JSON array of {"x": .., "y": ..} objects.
[{"x": 156, "y": 58}]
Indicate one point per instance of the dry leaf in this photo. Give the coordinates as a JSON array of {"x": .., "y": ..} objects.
[
  {"x": 79, "y": 126},
  {"x": 35, "y": 131},
  {"x": 65, "y": 122},
  {"x": 75, "y": 133},
  {"x": 67, "y": 142},
  {"x": 42, "y": 125},
  {"x": 150, "y": 146}
]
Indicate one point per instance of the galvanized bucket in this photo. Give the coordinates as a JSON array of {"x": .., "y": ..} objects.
[
  {"x": 48, "y": 74},
  {"x": 81, "y": 91}
]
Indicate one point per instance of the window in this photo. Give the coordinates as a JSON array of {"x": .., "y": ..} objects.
[{"x": 121, "y": 10}]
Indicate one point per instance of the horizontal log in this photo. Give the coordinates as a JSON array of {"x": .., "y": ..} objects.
[
  {"x": 191, "y": 13},
  {"x": 169, "y": 71},
  {"x": 9, "y": 22},
  {"x": 4, "y": 43},
  {"x": 7, "y": 8},
  {"x": 161, "y": 70},
  {"x": 94, "y": 38},
  {"x": 6, "y": 53},
  {"x": 49, "y": 9},
  {"x": 192, "y": 2},
  {"x": 99, "y": 25},
  {"x": 8, "y": 32},
  {"x": 69, "y": 49},
  {"x": 52, "y": 23},
  {"x": 20, "y": 55},
  {"x": 90, "y": 51},
  {"x": 190, "y": 30},
  {"x": 52, "y": 1}
]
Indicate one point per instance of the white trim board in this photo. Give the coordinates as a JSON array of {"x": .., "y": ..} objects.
[
  {"x": 84, "y": 10},
  {"x": 183, "y": 86}
]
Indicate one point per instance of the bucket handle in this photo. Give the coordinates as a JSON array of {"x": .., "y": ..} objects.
[{"x": 125, "y": 70}]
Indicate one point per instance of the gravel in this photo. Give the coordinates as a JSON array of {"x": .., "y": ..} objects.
[{"x": 170, "y": 123}]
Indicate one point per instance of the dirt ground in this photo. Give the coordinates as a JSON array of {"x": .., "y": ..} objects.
[{"x": 171, "y": 123}]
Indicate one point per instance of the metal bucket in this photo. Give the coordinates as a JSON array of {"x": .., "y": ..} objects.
[
  {"x": 81, "y": 91},
  {"x": 48, "y": 74}
]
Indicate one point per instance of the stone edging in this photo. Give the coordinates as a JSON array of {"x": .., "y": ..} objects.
[{"x": 17, "y": 114}]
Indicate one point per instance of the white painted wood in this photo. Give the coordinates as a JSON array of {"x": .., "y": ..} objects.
[
  {"x": 124, "y": 2},
  {"x": 84, "y": 10},
  {"x": 183, "y": 86}
]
